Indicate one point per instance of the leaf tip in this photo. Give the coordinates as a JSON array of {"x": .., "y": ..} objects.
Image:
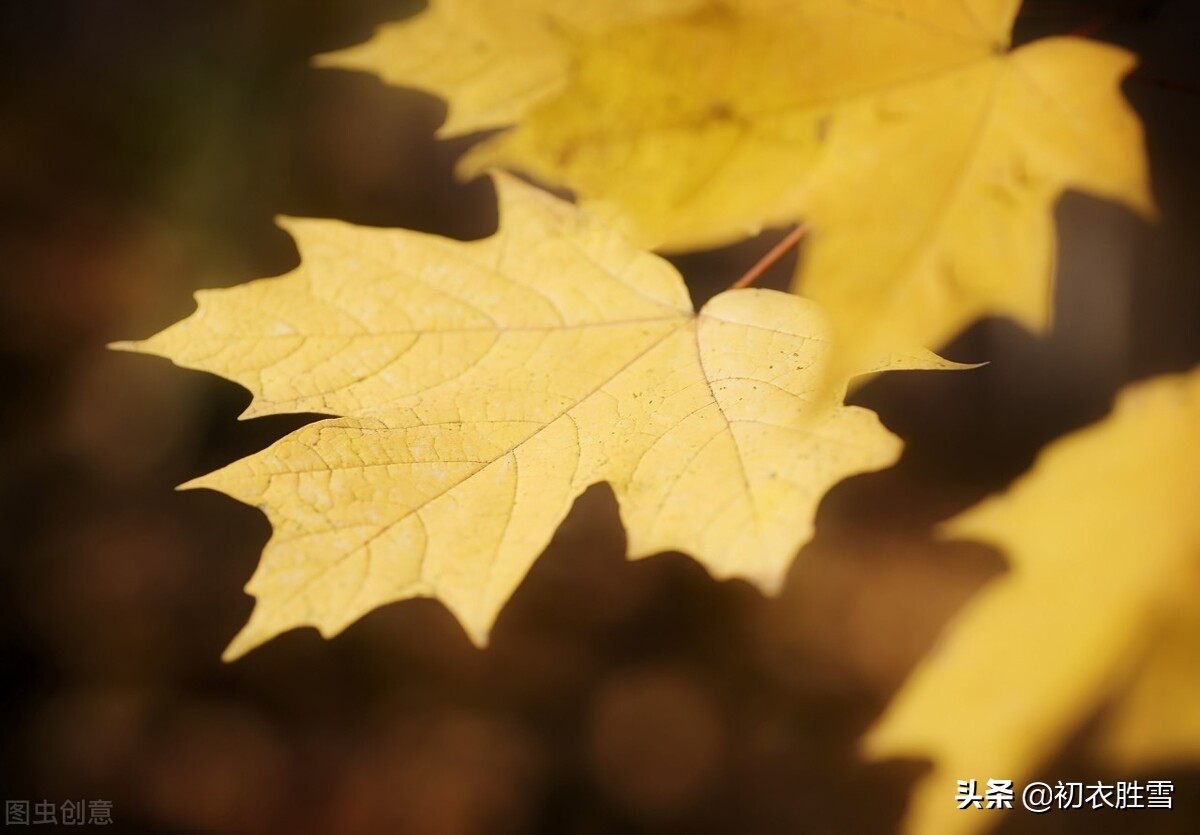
[
  {"x": 479, "y": 636},
  {"x": 265, "y": 623},
  {"x": 242, "y": 643},
  {"x": 202, "y": 482},
  {"x": 874, "y": 745},
  {"x": 770, "y": 583},
  {"x": 1143, "y": 203},
  {"x": 355, "y": 58},
  {"x": 288, "y": 223},
  {"x": 326, "y": 60}
]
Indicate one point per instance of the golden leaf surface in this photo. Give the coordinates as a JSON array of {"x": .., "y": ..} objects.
[
  {"x": 1156, "y": 720},
  {"x": 926, "y": 155},
  {"x": 481, "y": 387},
  {"x": 1103, "y": 537}
]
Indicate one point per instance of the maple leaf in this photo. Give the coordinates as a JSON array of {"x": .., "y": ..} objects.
[
  {"x": 492, "y": 61},
  {"x": 1104, "y": 540},
  {"x": 481, "y": 387},
  {"x": 1156, "y": 720},
  {"x": 926, "y": 155}
]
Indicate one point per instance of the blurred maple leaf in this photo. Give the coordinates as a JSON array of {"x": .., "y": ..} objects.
[
  {"x": 1103, "y": 536},
  {"x": 925, "y": 154}
]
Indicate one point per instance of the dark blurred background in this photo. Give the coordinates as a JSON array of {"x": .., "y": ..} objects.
[{"x": 144, "y": 149}]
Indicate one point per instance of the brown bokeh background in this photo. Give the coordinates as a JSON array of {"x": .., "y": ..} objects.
[{"x": 144, "y": 149}]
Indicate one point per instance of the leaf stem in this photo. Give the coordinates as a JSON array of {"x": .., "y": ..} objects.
[
  {"x": 1095, "y": 24},
  {"x": 771, "y": 258}
]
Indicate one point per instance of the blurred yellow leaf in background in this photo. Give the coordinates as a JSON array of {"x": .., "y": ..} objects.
[
  {"x": 1103, "y": 537},
  {"x": 925, "y": 154}
]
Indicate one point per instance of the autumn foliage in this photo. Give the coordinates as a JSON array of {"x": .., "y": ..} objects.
[{"x": 476, "y": 389}]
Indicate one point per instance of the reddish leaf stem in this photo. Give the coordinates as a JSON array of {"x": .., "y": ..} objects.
[
  {"x": 1095, "y": 24},
  {"x": 771, "y": 258}
]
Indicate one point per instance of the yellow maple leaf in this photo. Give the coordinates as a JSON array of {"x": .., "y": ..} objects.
[
  {"x": 1156, "y": 720},
  {"x": 492, "y": 61},
  {"x": 481, "y": 387},
  {"x": 926, "y": 155},
  {"x": 1103, "y": 537}
]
